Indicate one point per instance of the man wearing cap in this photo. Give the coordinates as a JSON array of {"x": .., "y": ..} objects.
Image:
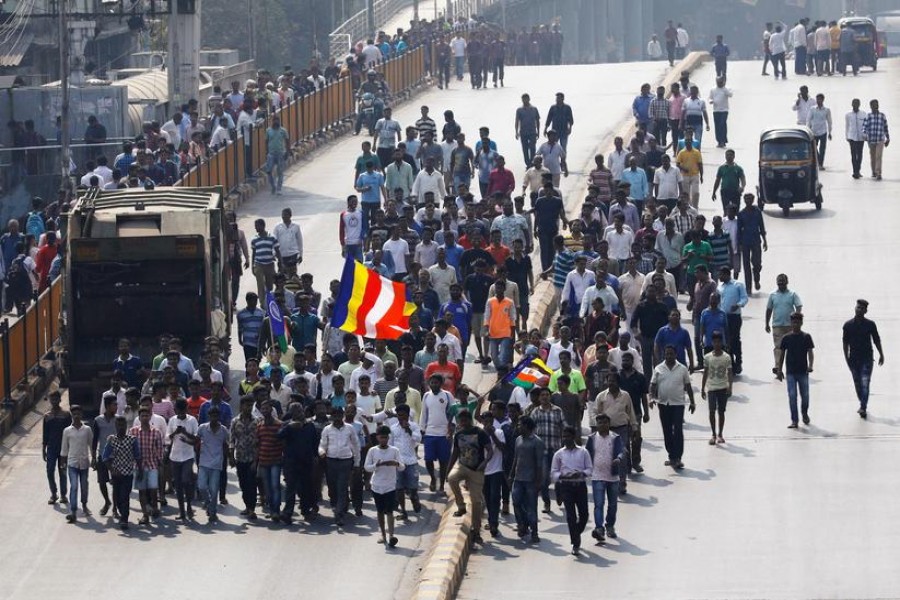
[
  {"x": 859, "y": 335},
  {"x": 560, "y": 120}
]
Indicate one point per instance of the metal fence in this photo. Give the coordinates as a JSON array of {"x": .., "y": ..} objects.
[
  {"x": 30, "y": 337},
  {"x": 304, "y": 118},
  {"x": 356, "y": 28}
]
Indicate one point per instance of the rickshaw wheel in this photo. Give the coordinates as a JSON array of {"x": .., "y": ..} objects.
[
  {"x": 818, "y": 202},
  {"x": 786, "y": 211}
]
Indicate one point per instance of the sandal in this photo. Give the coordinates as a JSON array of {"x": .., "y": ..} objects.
[{"x": 712, "y": 441}]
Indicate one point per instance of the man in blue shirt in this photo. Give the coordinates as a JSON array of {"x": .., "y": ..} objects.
[
  {"x": 752, "y": 239},
  {"x": 733, "y": 296},
  {"x": 453, "y": 252},
  {"x": 131, "y": 366},
  {"x": 675, "y": 335},
  {"x": 720, "y": 52},
  {"x": 640, "y": 108},
  {"x": 304, "y": 325},
  {"x": 370, "y": 185},
  {"x": 461, "y": 312},
  {"x": 713, "y": 319}
]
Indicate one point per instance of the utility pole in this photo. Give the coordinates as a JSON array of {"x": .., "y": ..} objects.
[
  {"x": 65, "y": 153},
  {"x": 252, "y": 24},
  {"x": 415, "y": 10},
  {"x": 370, "y": 18}
]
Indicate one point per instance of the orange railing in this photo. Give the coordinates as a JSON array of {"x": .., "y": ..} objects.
[
  {"x": 30, "y": 337},
  {"x": 304, "y": 118}
]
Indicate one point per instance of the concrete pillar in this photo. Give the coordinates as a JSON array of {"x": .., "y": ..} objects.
[
  {"x": 183, "y": 60},
  {"x": 633, "y": 31},
  {"x": 615, "y": 29},
  {"x": 601, "y": 27},
  {"x": 586, "y": 50},
  {"x": 570, "y": 12}
]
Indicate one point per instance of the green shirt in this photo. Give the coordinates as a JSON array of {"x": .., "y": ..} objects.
[
  {"x": 454, "y": 409},
  {"x": 276, "y": 141},
  {"x": 363, "y": 159},
  {"x": 702, "y": 255},
  {"x": 576, "y": 381},
  {"x": 730, "y": 176}
]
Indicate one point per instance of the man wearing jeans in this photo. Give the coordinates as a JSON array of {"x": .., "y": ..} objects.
[
  {"x": 671, "y": 381},
  {"x": 797, "y": 352},
  {"x": 269, "y": 451},
  {"x": 856, "y": 135},
  {"x": 527, "y": 478},
  {"x": 78, "y": 452},
  {"x": 607, "y": 452},
  {"x": 214, "y": 437},
  {"x": 859, "y": 335},
  {"x": 265, "y": 256},
  {"x": 615, "y": 403},
  {"x": 55, "y": 422},
  {"x": 528, "y": 124},
  {"x": 121, "y": 455},
  {"x": 278, "y": 143},
  {"x": 339, "y": 447},
  {"x": 472, "y": 449},
  {"x": 181, "y": 430},
  {"x": 500, "y": 326}
]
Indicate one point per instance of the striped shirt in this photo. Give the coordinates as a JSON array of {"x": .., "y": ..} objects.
[
  {"x": 719, "y": 243},
  {"x": 264, "y": 247},
  {"x": 269, "y": 447},
  {"x": 562, "y": 265},
  {"x": 425, "y": 124},
  {"x": 249, "y": 325},
  {"x": 150, "y": 443}
]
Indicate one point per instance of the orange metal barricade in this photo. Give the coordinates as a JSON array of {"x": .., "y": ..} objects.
[
  {"x": 56, "y": 308},
  {"x": 31, "y": 336},
  {"x": 17, "y": 360}
]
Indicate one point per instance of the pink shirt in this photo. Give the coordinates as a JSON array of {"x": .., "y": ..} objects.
[{"x": 675, "y": 106}]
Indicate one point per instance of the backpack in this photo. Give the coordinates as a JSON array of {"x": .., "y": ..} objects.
[
  {"x": 17, "y": 277},
  {"x": 35, "y": 224}
]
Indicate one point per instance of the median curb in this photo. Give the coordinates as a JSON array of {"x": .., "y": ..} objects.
[{"x": 544, "y": 300}]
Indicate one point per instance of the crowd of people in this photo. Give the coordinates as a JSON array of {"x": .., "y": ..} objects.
[{"x": 331, "y": 408}]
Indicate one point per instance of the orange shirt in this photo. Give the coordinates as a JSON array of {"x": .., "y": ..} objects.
[
  {"x": 499, "y": 253},
  {"x": 194, "y": 404},
  {"x": 500, "y": 317},
  {"x": 450, "y": 372}
]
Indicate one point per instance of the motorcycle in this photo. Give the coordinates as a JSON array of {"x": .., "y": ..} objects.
[{"x": 367, "y": 112}]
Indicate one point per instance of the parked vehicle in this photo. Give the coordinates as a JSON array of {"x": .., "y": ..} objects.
[{"x": 866, "y": 40}]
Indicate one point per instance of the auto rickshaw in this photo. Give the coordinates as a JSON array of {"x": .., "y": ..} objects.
[
  {"x": 788, "y": 169},
  {"x": 866, "y": 37}
]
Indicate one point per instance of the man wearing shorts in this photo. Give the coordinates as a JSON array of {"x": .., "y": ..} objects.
[
  {"x": 717, "y": 378},
  {"x": 405, "y": 436},
  {"x": 437, "y": 427},
  {"x": 384, "y": 463},
  {"x": 146, "y": 482}
]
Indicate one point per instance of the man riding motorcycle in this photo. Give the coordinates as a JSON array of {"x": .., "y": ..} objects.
[{"x": 370, "y": 102}]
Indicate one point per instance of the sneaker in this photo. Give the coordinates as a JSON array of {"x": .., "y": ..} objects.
[
  {"x": 611, "y": 532},
  {"x": 477, "y": 539},
  {"x": 459, "y": 512},
  {"x": 358, "y": 512},
  {"x": 862, "y": 413},
  {"x": 576, "y": 550},
  {"x": 123, "y": 526},
  {"x": 213, "y": 519},
  {"x": 638, "y": 468},
  {"x": 87, "y": 512},
  {"x": 712, "y": 441},
  {"x": 223, "y": 501},
  {"x": 145, "y": 520},
  {"x": 598, "y": 534},
  {"x": 806, "y": 419},
  {"x": 252, "y": 516},
  {"x": 547, "y": 508},
  {"x": 392, "y": 542},
  {"x": 63, "y": 500},
  {"x": 70, "y": 518},
  {"x": 433, "y": 485},
  {"x": 494, "y": 531},
  {"x": 535, "y": 539},
  {"x": 53, "y": 499},
  {"x": 793, "y": 425}
]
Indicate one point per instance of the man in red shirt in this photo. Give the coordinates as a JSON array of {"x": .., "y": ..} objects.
[
  {"x": 195, "y": 400},
  {"x": 501, "y": 179},
  {"x": 446, "y": 369},
  {"x": 44, "y": 259},
  {"x": 497, "y": 250}
]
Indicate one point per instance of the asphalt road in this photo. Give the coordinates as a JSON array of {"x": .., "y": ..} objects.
[
  {"x": 773, "y": 513},
  {"x": 42, "y": 556}
]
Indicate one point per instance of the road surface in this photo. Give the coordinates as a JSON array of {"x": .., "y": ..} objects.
[
  {"x": 44, "y": 557},
  {"x": 773, "y": 513}
]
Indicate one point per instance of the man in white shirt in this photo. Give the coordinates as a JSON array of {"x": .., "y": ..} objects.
[
  {"x": 398, "y": 248},
  {"x": 855, "y": 135},
  {"x": 718, "y": 97},
  {"x": 667, "y": 182},
  {"x": 458, "y": 48},
  {"x": 670, "y": 383},
  {"x": 371, "y": 54},
  {"x": 819, "y": 122},
  {"x": 620, "y": 240},
  {"x": 436, "y": 426},
  {"x": 339, "y": 447},
  {"x": 823, "y": 49},
  {"x": 683, "y": 41},
  {"x": 173, "y": 128},
  {"x": 533, "y": 181},
  {"x": 798, "y": 41},
  {"x": 802, "y": 105},
  {"x": 181, "y": 430},
  {"x": 427, "y": 180},
  {"x": 79, "y": 454},
  {"x": 778, "y": 48},
  {"x": 615, "y": 162},
  {"x": 290, "y": 240}
]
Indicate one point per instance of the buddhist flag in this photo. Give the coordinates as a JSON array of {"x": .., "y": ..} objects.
[
  {"x": 280, "y": 333},
  {"x": 528, "y": 372},
  {"x": 371, "y": 305}
]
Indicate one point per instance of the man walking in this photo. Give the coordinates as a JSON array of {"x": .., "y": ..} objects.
[
  {"x": 527, "y": 126},
  {"x": 569, "y": 469},
  {"x": 875, "y": 127},
  {"x": 717, "y": 377},
  {"x": 339, "y": 448},
  {"x": 55, "y": 422},
  {"x": 527, "y": 478},
  {"x": 214, "y": 438},
  {"x": 797, "y": 352},
  {"x": 616, "y": 403},
  {"x": 781, "y": 305},
  {"x": 733, "y": 297},
  {"x": 718, "y": 97},
  {"x": 752, "y": 240},
  {"x": 767, "y": 49},
  {"x": 670, "y": 383},
  {"x": 856, "y": 135},
  {"x": 560, "y": 120},
  {"x": 121, "y": 454},
  {"x": 731, "y": 178},
  {"x": 720, "y": 53},
  {"x": 290, "y": 241},
  {"x": 859, "y": 335},
  {"x": 606, "y": 450},
  {"x": 471, "y": 452},
  {"x": 819, "y": 121},
  {"x": 78, "y": 452}
]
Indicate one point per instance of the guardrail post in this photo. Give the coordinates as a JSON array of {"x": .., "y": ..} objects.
[
  {"x": 7, "y": 385},
  {"x": 37, "y": 325}
]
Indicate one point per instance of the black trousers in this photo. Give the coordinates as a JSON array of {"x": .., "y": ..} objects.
[
  {"x": 752, "y": 257},
  {"x": 856, "y": 155},
  {"x": 735, "y": 322},
  {"x": 672, "y": 420},
  {"x": 670, "y": 53},
  {"x": 778, "y": 59},
  {"x": 660, "y": 129},
  {"x": 575, "y": 500},
  {"x": 547, "y": 252},
  {"x": 298, "y": 479},
  {"x": 247, "y": 482},
  {"x": 766, "y": 60},
  {"x": 121, "y": 487}
]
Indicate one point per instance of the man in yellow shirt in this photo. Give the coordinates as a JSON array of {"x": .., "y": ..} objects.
[
  {"x": 690, "y": 163},
  {"x": 835, "y": 32},
  {"x": 500, "y": 325}
]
